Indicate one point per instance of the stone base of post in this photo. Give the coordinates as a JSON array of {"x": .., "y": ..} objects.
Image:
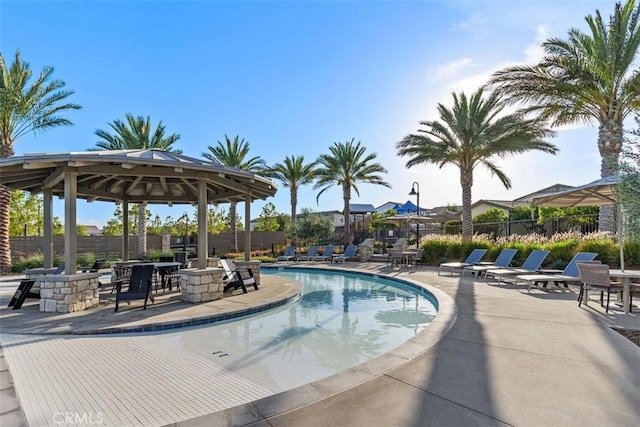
[
  {"x": 201, "y": 285},
  {"x": 68, "y": 293}
]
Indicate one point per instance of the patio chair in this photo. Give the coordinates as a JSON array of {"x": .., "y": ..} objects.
[
  {"x": 288, "y": 255},
  {"x": 503, "y": 260},
  {"x": 120, "y": 274},
  {"x": 233, "y": 277},
  {"x": 311, "y": 253},
  {"x": 474, "y": 258},
  {"x": 569, "y": 274},
  {"x": 394, "y": 256},
  {"x": 416, "y": 259},
  {"x": 139, "y": 286},
  {"x": 97, "y": 265},
  {"x": 529, "y": 266},
  {"x": 327, "y": 254},
  {"x": 596, "y": 276},
  {"x": 349, "y": 252}
]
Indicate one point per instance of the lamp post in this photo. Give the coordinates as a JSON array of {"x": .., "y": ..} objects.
[{"x": 415, "y": 191}]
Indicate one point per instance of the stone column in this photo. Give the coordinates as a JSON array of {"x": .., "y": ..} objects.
[
  {"x": 201, "y": 285},
  {"x": 68, "y": 293},
  {"x": 166, "y": 242}
]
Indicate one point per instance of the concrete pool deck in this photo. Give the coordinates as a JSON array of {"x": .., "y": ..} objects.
[{"x": 510, "y": 358}]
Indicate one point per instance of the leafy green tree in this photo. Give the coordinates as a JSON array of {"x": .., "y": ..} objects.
[
  {"x": 292, "y": 174},
  {"x": 268, "y": 219},
  {"x": 25, "y": 107},
  {"x": 113, "y": 226},
  {"x": 310, "y": 228},
  {"x": 589, "y": 76},
  {"x": 25, "y": 214},
  {"x": 471, "y": 134},
  {"x": 491, "y": 215},
  {"x": 523, "y": 213},
  {"x": 234, "y": 153},
  {"x": 346, "y": 166},
  {"x": 136, "y": 133},
  {"x": 376, "y": 226}
]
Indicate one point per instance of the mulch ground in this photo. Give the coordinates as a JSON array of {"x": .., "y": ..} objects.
[{"x": 633, "y": 336}]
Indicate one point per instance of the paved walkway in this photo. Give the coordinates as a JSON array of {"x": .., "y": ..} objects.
[{"x": 510, "y": 358}]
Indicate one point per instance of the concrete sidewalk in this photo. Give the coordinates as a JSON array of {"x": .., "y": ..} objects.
[{"x": 510, "y": 358}]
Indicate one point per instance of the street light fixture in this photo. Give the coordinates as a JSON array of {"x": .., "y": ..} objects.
[{"x": 415, "y": 191}]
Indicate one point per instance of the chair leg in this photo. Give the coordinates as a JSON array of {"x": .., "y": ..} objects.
[{"x": 608, "y": 296}]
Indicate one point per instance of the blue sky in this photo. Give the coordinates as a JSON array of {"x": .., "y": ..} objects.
[{"x": 293, "y": 78}]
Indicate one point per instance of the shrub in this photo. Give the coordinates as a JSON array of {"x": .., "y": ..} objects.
[
  {"x": 608, "y": 251},
  {"x": 434, "y": 251},
  {"x": 86, "y": 259},
  {"x": 632, "y": 253}
]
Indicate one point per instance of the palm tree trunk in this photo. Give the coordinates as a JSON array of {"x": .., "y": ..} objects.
[
  {"x": 609, "y": 146},
  {"x": 6, "y": 150},
  {"x": 466, "y": 182},
  {"x": 5, "y": 243},
  {"x": 346, "y": 194},
  {"x": 142, "y": 231},
  {"x": 234, "y": 226},
  {"x": 294, "y": 205}
]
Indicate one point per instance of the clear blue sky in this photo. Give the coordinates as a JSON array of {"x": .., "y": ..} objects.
[{"x": 294, "y": 77}]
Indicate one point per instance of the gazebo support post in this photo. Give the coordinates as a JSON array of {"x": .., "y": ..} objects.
[
  {"x": 203, "y": 237},
  {"x": 70, "y": 233},
  {"x": 47, "y": 218},
  {"x": 247, "y": 227},
  {"x": 125, "y": 229}
]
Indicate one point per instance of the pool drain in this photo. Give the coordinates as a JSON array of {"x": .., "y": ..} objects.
[{"x": 220, "y": 353}]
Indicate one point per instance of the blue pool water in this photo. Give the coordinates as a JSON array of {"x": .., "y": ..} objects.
[{"x": 342, "y": 320}]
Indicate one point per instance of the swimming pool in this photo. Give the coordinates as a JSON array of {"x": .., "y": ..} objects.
[{"x": 342, "y": 320}]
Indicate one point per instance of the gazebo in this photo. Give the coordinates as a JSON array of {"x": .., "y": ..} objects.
[{"x": 130, "y": 176}]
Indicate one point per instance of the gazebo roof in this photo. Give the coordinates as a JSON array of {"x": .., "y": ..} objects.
[{"x": 152, "y": 176}]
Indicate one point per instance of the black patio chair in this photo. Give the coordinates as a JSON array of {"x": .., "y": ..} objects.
[
  {"x": 95, "y": 267},
  {"x": 139, "y": 287}
]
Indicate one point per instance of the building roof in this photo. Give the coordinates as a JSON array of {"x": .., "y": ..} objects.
[
  {"x": 359, "y": 208},
  {"x": 547, "y": 190},
  {"x": 152, "y": 176},
  {"x": 501, "y": 204}
]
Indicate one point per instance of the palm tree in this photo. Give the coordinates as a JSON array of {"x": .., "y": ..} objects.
[
  {"x": 234, "y": 153},
  {"x": 25, "y": 108},
  {"x": 136, "y": 134},
  {"x": 346, "y": 166},
  {"x": 472, "y": 134},
  {"x": 589, "y": 76},
  {"x": 293, "y": 173}
]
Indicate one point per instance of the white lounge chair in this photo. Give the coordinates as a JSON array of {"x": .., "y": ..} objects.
[
  {"x": 529, "y": 266},
  {"x": 474, "y": 258},
  {"x": 569, "y": 274},
  {"x": 349, "y": 252},
  {"x": 312, "y": 252},
  {"x": 288, "y": 255},
  {"x": 503, "y": 260}
]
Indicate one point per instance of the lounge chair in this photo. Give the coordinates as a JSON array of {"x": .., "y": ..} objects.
[
  {"x": 233, "y": 277},
  {"x": 474, "y": 258},
  {"x": 288, "y": 255},
  {"x": 596, "y": 277},
  {"x": 401, "y": 244},
  {"x": 327, "y": 254},
  {"x": 569, "y": 274},
  {"x": 311, "y": 253},
  {"x": 349, "y": 252},
  {"x": 529, "y": 266},
  {"x": 503, "y": 260},
  {"x": 139, "y": 284},
  {"x": 366, "y": 249},
  {"x": 97, "y": 265}
]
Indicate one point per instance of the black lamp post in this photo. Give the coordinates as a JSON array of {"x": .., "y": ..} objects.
[{"x": 415, "y": 191}]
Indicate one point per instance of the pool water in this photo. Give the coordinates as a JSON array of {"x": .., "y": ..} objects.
[{"x": 342, "y": 320}]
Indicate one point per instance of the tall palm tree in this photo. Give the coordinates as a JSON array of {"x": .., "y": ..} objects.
[
  {"x": 346, "y": 166},
  {"x": 588, "y": 76},
  {"x": 26, "y": 107},
  {"x": 136, "y": 133},
  {"x": 292, "y": 174},
  {"x": 471, "y": 134},
  {"x": 234, "y": 153}
]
